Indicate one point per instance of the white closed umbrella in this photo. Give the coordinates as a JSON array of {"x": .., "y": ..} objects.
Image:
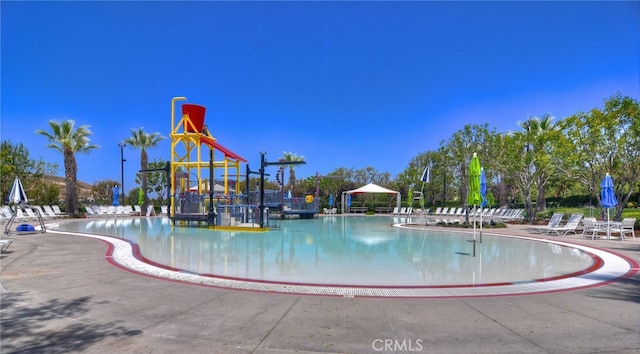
[{"x": 17, "y": 194}]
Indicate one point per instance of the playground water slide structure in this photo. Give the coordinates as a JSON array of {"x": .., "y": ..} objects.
[
  {"x": 189, "y": 160},
  {"x": 192, "y": 199}
]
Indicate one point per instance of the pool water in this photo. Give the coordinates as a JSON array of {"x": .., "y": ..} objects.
[{"x": 353, "y": 251}]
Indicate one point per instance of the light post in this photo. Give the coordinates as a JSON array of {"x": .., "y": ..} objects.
[{"x": 122, "y": 160}]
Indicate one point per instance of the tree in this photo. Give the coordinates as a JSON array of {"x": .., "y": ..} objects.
[
  {"x": 291, "y": 157},
  {"x": 143, "y": 141},
  {"x": 521, "y": 170},
  {"x": 102, "y": 191},
  {"x": 458, "y": 151},
  {"x": 45, "y": 194},
  {"x": 69, "y": 140},
  {"x": 540, "y": 138},
  {"x": 498, "y": 165},
  {"x": 15, "y": 162},
  {"x": 604, "y": 141},
  {"x": 409, "y": 179},
  {"x": 156, "y": 181}
]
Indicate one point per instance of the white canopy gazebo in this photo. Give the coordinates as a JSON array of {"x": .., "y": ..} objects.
[{"x": 369, "y": 188}]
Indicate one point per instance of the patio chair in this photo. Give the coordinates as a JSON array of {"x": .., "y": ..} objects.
[
  {"x": 555, "y": 220},
  {"x": 626, "y": 227},
  {"x": 589, "y": 227},
  {"x": 570, "y": 226}
]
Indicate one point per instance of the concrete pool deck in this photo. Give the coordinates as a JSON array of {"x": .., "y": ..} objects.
[{"x": 60, "y": 294}]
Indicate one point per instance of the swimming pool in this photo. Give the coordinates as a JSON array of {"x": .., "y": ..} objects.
[{"x": 342, "y": 253}]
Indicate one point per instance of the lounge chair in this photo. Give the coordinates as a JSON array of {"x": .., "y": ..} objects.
[
  {"x": 515, "y": 215},
  {"x": 38, "y": 209},
  {"x": 56, "y": 209},
  {"x": 120, "y": 210},
  {"x": 129, "y": 210},
  {"x": 6, "y": 211},
  {"x": 20, "y": 215},
  {"x": 91, "y": 213},
  {"x": 570, "y": 226},
  {"x": 555, "y": 220},
  {"x": 50, "y": 213},
  {"x": 4, "y": 244},
  {"x": 31, "y": 213},
  {"x": 626, "y": 227}
]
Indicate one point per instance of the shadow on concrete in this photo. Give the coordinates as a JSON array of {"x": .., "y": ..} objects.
[
  {"x": 45, "y": 327},
  {"x": 624, "y": 289}
]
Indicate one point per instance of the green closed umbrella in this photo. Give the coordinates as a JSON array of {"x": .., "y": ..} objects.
[
  {"x": 140, "y": 197},
  {"x": 474, "y": 197},
  {"x": 410, "y": 198}
]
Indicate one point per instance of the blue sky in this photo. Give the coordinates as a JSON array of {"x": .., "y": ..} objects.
[{"x": 345, "y": 84}]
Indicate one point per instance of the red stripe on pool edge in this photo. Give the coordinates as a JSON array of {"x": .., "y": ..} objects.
[{"x": 598, "y": 262}]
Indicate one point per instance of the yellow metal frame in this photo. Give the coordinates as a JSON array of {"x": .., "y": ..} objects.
[{"x": 185, "y": 141}]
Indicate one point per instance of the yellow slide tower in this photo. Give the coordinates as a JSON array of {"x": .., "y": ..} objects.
[{"x": 188, "y": 188}]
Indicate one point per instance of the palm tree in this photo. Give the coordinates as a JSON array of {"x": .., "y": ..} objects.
[
  {"x": 143, "y": 141},
  {"x": 68, "y": 140},
  {"x": 291, "y": 157},
  {"x": 540, "y": 135}
]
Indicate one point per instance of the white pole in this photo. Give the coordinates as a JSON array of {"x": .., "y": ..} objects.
[{"x": 608, "y": 226}]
